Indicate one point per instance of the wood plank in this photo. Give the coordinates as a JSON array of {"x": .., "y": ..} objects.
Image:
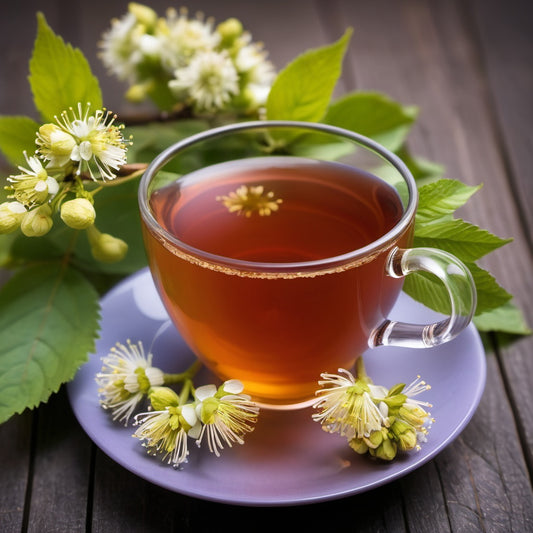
[
  {"x": 123, "y": 502},
  {"x": 510, "y": 78},
  {"x": 15, "y": 460},
  {"x": 504, "y": 30},
  {"x": 485, "y": 480},
  {"x": 61, "y": 470}
]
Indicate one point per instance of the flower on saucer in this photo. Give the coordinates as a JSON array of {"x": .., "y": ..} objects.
[
  {"x": 166, "y": 430},
  {"x": 346, "y": 405},
  {"x": 375, "y": 420},
  {"x": 225, "y": 413},
  {"x": 247, "y": 200},
  {"x": 125, "y": 379},
  {"x": 408, "y": 412}
]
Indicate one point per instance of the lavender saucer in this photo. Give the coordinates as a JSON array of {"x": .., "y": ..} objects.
[{"x": 288, "y": 459}]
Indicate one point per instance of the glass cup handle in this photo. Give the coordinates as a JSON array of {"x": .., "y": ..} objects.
[{"x": 460, "y": 287}]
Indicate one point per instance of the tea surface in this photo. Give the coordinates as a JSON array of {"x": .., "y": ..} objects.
[{"x": 317, "y": 210}]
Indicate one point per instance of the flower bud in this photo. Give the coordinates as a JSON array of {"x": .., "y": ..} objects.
[
  {"x": 11, "y": 215},
  {"x": 55, "y": 144},
  {"x": 386, "y": 451},
  {"x": 229, "y": 30},
  {"x": 144, "y": 14},
  {"x": 404, "y": 434},
  {"x": 375, "y": 439},
  {"x": 78, "y": 213},
  {"x": 358, "y": 445},
  {"x": 37, "y": 222},
  {"x": 163, "y": 397},
  {"x": 139, "y": 91},
  {"x": 105, "y": 247}
]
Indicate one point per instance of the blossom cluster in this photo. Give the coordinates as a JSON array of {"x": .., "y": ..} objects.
[
  {"x": 220, "y": 416},
  {"x": 79, "y": 148},
  {"x": 374, "y": 419},
  {"x": 182, "y": 62}
]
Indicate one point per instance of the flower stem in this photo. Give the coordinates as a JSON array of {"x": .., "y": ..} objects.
[
  {"x": 186, "y": 391},
  {"x": 183, "y": 376},
  {"x": 360, "y": 369}
]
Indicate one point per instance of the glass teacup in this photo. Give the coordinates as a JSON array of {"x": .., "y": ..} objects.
[{"x": 279, "y": 250}]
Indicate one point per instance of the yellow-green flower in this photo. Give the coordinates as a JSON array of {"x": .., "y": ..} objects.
[
  {"x": 95, "y": 146},
  {"x": 210, "y": 80},
  {"x": 248, "y": 200},
  {"x": 347, "y": 407},
  {"x": 164, "y": 432},
  {"x": 55, "y": 145},
  {"x": 408, "y": 411},
  {"x": 34, "y": 186},
  {"x": 226, "y": 414},
  {"x": 126, "y": 378}
]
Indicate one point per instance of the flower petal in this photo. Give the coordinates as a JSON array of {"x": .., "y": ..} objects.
[{"x": 205, "y": 391}]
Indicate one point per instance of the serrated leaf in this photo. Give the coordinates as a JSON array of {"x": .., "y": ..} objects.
[
  {"x": 374, "y": 115},
  {"x": 17, "y": 133},
  {"x": 429, "y": 290},
  {"x": 303, "y": 89},
  {"x": 49, "y": 319},
  {"x": 60, "y": 76},
  {"x": 441, "y": 198},
  {"x": 506, "y": 319},
  {"x": 462, "y": 239}
]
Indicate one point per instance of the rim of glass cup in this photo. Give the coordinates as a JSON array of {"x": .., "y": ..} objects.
[{"x": 214, "y": 261}]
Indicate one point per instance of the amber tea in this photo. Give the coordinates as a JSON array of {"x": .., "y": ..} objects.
[
  {"x": 275, "y": 331},
  {"x": 275, "y": 269}
]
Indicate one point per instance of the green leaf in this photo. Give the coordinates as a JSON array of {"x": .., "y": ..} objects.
[
  {"x": 507, "y": 319},
  {"x": 151, "y": 139},
  {"x": 374, "y": 115},
  {"x": 17, "y": 133},
  {"x": 430, "y": 291},
  {"x": 421, "y": 169},
  {"x": 60, "y": 76},
  {"x": 49, "y": 321},
  {"x": 441, "y": 198},
  {"x": 303, "y": 89},
  {"x": 462, "y": 239}
]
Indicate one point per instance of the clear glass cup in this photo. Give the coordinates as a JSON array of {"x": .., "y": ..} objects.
[{"x": 279, "y": 249}]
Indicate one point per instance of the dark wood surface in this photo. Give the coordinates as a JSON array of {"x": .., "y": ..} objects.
[{"x": 468, "y": 65}]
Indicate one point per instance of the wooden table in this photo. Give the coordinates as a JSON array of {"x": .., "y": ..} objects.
[{"x": 468, "y": 65}]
